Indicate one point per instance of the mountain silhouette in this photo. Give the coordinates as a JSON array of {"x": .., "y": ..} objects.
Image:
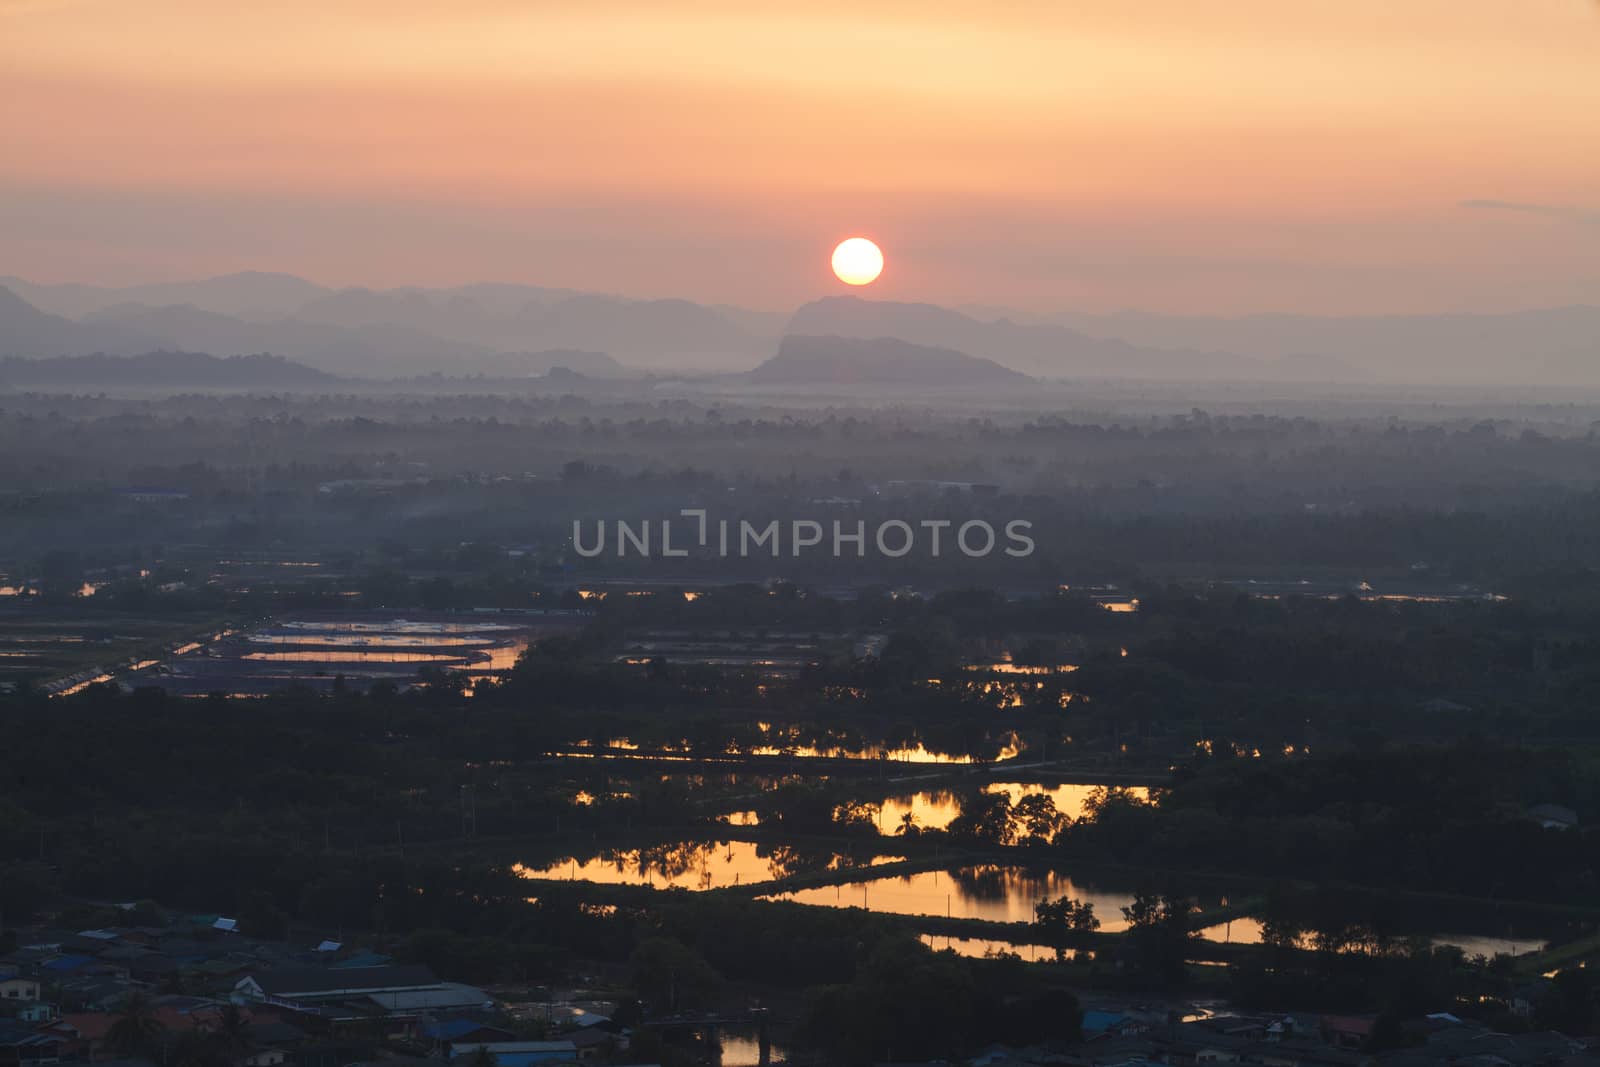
[
  {"x": 27, "y": 331},
  {"x": 248, "y": 294},
  {"x": 1045, "y": 350},
  {"x": 179, "y": 370},
  {"x": 846, "y": 361},
  {"x": 495, "y": 328}
]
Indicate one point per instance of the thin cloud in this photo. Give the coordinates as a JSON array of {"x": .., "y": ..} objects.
[{"x": 1564, "y": 212}]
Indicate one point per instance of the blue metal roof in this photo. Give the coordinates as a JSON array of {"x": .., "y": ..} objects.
[
  {"x": 68, "y": 963},
  {"x": 1095, "y": 1022},
  {"x": 362, "y": 959}
]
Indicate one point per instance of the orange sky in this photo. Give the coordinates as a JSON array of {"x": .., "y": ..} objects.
[{"x": 1226, "y": 156}]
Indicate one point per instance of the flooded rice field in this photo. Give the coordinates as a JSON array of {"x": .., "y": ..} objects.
[
  {"x": 783, "y": 742},
  {"x": 316, "y": 651},
  {"x": 989, "y": 892},
  {"x": 983, "y": 948},
  {"x": 935, "y": 809},
  {"x": 697, "y": 865},
  {"x": 1249, "y": 931},
  {"x": 1009, "y": 893},
  {"x": 64, "y": 650}
]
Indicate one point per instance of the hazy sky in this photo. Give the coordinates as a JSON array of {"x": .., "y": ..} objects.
[{"x": 1221, "y": 156}]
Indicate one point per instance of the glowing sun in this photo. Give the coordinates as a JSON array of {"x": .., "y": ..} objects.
[{"x": 857, "y": 261}]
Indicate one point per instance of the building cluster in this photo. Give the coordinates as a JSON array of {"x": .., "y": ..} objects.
[
  {"x": 198, "y": 993},
  {"x": 1130, "y": 1037}
]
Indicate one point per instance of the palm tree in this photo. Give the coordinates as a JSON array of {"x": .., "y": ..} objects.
[
  {"x": 137, "y": 1028},
  {"x": 908, "y": 824}
]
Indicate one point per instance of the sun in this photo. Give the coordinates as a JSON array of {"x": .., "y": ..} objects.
[{"x": 857, "y": 261}]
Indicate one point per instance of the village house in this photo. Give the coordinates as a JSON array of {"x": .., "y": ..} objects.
[
  {"x": 398, "y": 993},
  {"x": 521, "y": 1053},
  {"x": 14, "y": 987}
]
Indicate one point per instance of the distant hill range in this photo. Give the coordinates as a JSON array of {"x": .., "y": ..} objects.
[
  {"x": 250, "y": 294},
  {"x": 1552, "y": 346},
  {"x": 27, "y": 331},
  {"x": 389, "y": 333},
  {"x": 504, "y": 330},
  {"x": 165, "y": 370},
  {"x": 847, "y": 361},
  {"x": 1045, "y": 349}
]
